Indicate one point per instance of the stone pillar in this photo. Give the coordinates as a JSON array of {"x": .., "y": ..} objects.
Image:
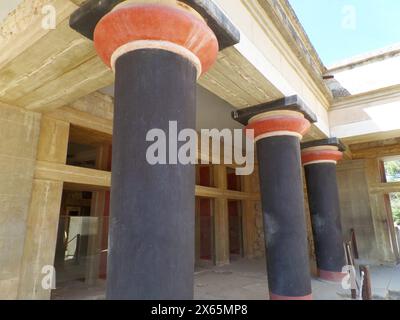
[
  {"x": 278, "y": 128},
  {"x": 157, "y": 49},
  {"x": 319, "y": 159}
]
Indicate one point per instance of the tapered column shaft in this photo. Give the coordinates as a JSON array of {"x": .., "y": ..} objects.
[
  {"x": 157, "y": 49},
  {"x": 320, "y": 171},
  {"x": 151, "y": 252},
  {"x": 284, "y": 218},
  {"x": 277, "y": 132}
]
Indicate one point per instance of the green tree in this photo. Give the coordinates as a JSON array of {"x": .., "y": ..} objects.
[
  {"x": 392, "y": 169},
  {"x": 395, "y": 202}
]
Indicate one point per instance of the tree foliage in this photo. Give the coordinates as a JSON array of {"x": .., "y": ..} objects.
[
  {"x": 392, "y": 169},
  {"x": 395, "y": 201}
]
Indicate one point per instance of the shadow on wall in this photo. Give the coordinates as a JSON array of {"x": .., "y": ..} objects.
[{"x": 213, "y": 112}]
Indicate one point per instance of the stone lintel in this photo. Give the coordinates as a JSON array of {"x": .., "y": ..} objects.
[
  {"x": 293, "y": 103},
  {"x": 85, "y": 19}
]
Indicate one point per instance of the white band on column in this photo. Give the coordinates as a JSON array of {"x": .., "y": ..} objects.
[
  {"x": 320, "y": 161},
  {"x": 157, "y": 44},
  {"x": 321, "y": 148},
  {"x": 268, "y": 114},
  {"x": 277, "y": 134}
]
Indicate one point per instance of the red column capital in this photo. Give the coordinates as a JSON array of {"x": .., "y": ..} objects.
[
  {"x": 321, "y": 154},
  {"x": 278, "y": 123},
  {"x": 153, "y": 25}
]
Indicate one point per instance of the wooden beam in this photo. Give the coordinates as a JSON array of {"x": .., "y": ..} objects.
[
  {"x": 237, "y": 81},
  {"x": 89, "y": 137},
  {"x": 210, "y": 192},
  {"x": 89, "y": 76},
  {"x": 97, "y": 104},
  {"x": 385, "y": 188},
  {"x": 46, "y": 69},
  {"x": 37, "y": 63},
  {"x": 53, "y": 140},
  {"x": 376, "y": 152},
  {"x": 71, "y": 174},
  {"x": 22, "y": 29},
  {"x": 82, "y": 119}
]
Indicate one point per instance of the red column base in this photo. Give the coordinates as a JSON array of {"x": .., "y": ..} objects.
[
  {"x": 331, "y": 276},
  {"x": 273, "y": 296}
]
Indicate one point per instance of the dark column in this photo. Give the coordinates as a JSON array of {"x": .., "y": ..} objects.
[
  {"x": 151, "y": 247},
  {"x": 319, "y": 160},
  {"x": 155, "y": 201},
  {"x": 158, "y": 49},
  {"x": 278, "y": 128}
]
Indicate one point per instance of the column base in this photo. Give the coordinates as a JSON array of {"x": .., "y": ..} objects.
[
  {"x": 331, "y": 276},
  {"x": 273, "y": 296}
]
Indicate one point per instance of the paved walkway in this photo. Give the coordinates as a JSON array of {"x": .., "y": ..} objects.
[
  {"x": 247, "y": 280},
  {"x": 385, "y": 282}
]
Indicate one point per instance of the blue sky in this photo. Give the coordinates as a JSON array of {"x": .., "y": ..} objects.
[{"x": 340, "y": 29}]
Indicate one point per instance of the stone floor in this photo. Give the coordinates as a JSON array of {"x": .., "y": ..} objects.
[
  {"x": 246, "y": 280},
  {"x": 385, "y": 282}
]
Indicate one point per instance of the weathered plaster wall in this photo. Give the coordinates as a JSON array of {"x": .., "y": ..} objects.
[
  {"x": 19, "y": 131},
  {"x": 360, "y": 211},
  {"x": 44, "y": 211},
  {"x": 259, "y": 240}
]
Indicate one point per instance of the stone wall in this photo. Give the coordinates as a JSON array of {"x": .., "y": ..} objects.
[{"x": 259, "y": 242}]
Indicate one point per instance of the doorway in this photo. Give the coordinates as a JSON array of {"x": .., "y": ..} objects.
[
  {"x": 393, "y": 203},
  {"x": 235, "y": 229},
  {"x": 75, "y": 230},
  {"x": 204, "y": 232},
  {"x": 391, "y": 174}
]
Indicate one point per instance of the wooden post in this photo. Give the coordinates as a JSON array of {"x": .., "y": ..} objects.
[
  {"x": 221, "y": 219},
  {"x": 354, "y": 243},
  {"x": 44, "y": 212},
  {"x": 197, "y": 231},
  {"x": 249, "y": 218},
  {"x": 378, "y": 212},
  {"x": 366, "y": 285},
  {"x": 350, "y": 261},
  {"x": 97, "y": 208}
]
